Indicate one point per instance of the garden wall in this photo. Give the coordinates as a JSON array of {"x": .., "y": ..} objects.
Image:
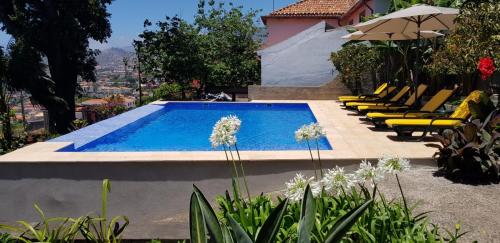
[{"x": 154, "y": 195}]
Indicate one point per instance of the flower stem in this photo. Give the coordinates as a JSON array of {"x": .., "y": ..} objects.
[
  {"x": 242, "y": 171},
  {"x": 319, "y": 159},
  {"x": 245, "y": 181},
  {"x": 404, "y": 199},
  {"x": 235, "y": 170},
  {"x": 312, "y": 159}
]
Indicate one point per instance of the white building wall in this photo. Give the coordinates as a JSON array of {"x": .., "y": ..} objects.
[{"x": 302, "y": 60}]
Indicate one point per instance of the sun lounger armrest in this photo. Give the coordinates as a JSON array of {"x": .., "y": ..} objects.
[
  {"x": 413, "y": 111},
  {"x": 364, "y": 97}
]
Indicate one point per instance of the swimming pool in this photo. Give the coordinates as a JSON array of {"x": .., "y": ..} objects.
[{"x": 186, "y": 126}]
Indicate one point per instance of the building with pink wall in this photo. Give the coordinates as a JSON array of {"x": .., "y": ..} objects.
[
  {"x": 295, "y": 18},
  {"x": 301, "y": 38}
]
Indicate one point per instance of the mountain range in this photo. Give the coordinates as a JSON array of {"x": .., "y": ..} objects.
[{"x": 114, "y": 55}]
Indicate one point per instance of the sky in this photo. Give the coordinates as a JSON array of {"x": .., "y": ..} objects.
[{"x": 127, "y": 16}]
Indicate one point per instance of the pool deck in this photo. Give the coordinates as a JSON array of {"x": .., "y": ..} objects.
[{"x": 350, "y": 138}]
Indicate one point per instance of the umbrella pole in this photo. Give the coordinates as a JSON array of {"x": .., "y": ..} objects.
[
  {"x": 417, "y": 61},
  {"x": 386, "y": 66}
]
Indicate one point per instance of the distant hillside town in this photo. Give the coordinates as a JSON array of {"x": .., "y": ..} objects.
[{"x": 115, "y": 90}]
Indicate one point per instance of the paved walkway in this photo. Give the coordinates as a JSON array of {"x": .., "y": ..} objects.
[{"x": 474, "y": 207}]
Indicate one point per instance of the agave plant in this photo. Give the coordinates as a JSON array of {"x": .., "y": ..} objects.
[{"x": 471, "y": 151}]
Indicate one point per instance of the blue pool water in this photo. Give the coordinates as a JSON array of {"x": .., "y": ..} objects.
[{"x": 186, "y": 126}]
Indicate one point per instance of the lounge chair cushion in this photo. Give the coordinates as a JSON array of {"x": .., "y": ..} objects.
[
  {"x": 396, "y": 98},
  {"x": 365, "y": 98},
  {"x": 380, "y": 115},
  {"x": 422, "y": 122},
  {"x": 376, "y": 92},
  {"x": 381, "y": 108}
]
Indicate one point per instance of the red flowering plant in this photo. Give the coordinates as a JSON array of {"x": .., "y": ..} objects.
[{"x": 486, "y": 67}]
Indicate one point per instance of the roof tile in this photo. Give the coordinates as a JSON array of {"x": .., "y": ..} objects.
[{"x": 315, "y": 8}]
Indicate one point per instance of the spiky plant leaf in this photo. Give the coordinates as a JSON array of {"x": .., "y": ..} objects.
[
  {"x": 272, "y": 224},
  {"x": 239, "y": 233},
  {"x": 211, "y": 220},
  {"x": 196, "y": 221},
  {"x": 344, "y": 223},
  {"x": 307, "y": 216}
]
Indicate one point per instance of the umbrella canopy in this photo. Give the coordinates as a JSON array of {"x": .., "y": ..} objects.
[
  {"x": 358, "y": 35},
  {"x": 412, "y": 19}
]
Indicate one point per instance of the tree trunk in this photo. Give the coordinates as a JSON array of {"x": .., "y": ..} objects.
[
  {"x": 66, "y": 89},
  {"x": 64, "y": 75},
  {"x": 5, "y": 119}
]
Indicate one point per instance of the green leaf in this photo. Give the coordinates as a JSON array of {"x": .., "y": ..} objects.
[
  {"x": 240, "y": 235},
  {"x": 272, "y": 224},
  {"x": 226, "y": 234},
  {"x": 211, "y": 220},
  {"x": 344, "y": 223},
  {"x": 307, "y": 216},
  {"x": 106, "y": 188},
  {"x": 196, "y": 221}
]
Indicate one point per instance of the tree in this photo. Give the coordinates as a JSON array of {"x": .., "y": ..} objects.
[
  {"x": 477, "y": 34},
  {"x": 219, "y": 49},
  {"x": 356, "y": 62},
  {"x": 4, "y": 102},
  {"x": 59, "y": 31},
  {"x": 171, "y": 53},
  {"x": 229, "y": 44},
  {"x": 125, "y": 66}
]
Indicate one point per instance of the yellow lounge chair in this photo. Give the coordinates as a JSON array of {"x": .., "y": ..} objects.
[
  {"x": 379, "y": 90},
  {"x": 377, "y": 98},
  {"x": 405, "y": 127},
  {"x": 397, "y": 98},
  {"x": 394, "y": 107},
  {"x": 378, "y": 118}
]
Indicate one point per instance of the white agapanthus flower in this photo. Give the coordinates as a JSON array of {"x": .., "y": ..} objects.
[
  {"x": 296, "y": 187},
  {"x": 317, "y": 130},
  {"x": 393, "y": 165},
  {"x": 367, "y": 173},
  {"x": 309, "y": 132},
  {"x": 303, "y": 133},
  {"x": 336, "y": 179},
  {"x": 224, "y": 131},
  {"x": 316, "y": 188}
]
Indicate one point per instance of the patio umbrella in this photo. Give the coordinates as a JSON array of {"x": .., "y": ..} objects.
[
  {"x": 390, "y": 36},
  {"x": 358, "y": 35},
  {"x": 415, "y": 19}
]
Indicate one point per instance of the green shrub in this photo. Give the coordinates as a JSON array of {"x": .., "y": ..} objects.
[
  {"x": 471, "y": 152},
  {"x": 168, "y": 91},
  {"x": 355, "y": 63},
  {"x": 79, "y": 123}
]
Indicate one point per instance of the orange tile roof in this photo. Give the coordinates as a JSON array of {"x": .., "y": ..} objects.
[
  {"x": 94, "y": 102},
  {"x": 315, "y": 8}
]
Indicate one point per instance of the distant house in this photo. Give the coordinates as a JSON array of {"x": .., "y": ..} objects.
[
  {"x": 295, "y": 18},
  {"x": 300, "y": 39},
  {"x": 94, "y": 102}
]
